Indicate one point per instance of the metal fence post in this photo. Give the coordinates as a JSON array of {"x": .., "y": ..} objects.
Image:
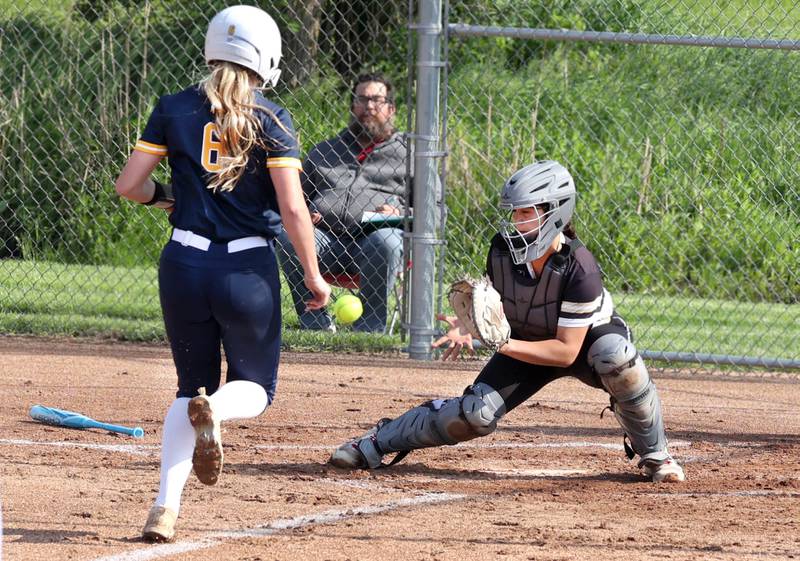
[{"x": 426, "y": 137}]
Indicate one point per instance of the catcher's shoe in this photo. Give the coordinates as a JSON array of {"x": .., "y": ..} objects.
[
  {"x": 663, "y": 471},
  {"x": 160, "y": 525},
  {"x": 207, "y": 457},
  {"x": 359, "y": 453}
]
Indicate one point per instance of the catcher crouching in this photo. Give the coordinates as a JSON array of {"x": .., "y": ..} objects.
[{"x": 544, "y": 310}]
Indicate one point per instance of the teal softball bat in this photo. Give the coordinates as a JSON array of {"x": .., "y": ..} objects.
[{"x": 59, "y": 417}]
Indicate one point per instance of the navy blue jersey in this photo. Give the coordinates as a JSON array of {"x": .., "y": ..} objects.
[{"x": 182, "y": 128}]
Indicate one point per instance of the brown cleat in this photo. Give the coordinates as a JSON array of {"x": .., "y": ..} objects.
[
  {"x": 207, "y": 457},
  {"x": 160, "y": 525}
]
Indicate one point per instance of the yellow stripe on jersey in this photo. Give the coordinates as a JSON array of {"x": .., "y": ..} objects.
[
  {"x": 284, "y": 162},
  {"x": 150, "y": 148}
]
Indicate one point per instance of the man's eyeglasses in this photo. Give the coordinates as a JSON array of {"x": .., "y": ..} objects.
[{"x": 377, "y": 100}]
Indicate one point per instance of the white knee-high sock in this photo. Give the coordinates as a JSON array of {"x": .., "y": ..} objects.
[
  {"x": 177, "y": 446},
  {"x": 239, "y": 399}
]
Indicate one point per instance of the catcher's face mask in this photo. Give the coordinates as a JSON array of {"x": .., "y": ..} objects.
[
  {"x": 546, "y": 192},
  {"x": 522, "y": 232}
]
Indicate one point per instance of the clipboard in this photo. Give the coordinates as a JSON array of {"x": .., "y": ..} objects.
[{"x": 377, "y": 220}]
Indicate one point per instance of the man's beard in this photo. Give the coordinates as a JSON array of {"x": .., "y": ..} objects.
[{"x": 370, "y": 130}]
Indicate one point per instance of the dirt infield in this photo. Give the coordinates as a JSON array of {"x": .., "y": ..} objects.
[{"x": 551, "y": 483}]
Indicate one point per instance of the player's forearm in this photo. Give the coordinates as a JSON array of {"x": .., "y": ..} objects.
[
  {"x": 550, "y": 352},
  {"x": 134, "y": 181},
  {"x": 140, "y": 192},
  {"x": 296, "y": 218},
  {"x": 151, "y": 193},
  {"x": 297, "y": 223}
]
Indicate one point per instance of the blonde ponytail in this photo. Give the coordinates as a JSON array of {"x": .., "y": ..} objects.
[{"x": 230, "y": 90}]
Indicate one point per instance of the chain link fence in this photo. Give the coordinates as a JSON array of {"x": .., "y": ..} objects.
[
  {"x": 685, "y": 158},
  {"x": 78, "y": 80}
]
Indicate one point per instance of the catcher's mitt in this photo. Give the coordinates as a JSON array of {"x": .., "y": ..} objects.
[{"x": 479, "y": 308}]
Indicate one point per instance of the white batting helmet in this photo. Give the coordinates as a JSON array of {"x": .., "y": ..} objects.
[
  {"x": 248, "y": 37},
  {"x": 546, "y": 183}
]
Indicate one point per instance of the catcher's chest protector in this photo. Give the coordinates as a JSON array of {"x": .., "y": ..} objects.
[{"x": 532, "y": 311}]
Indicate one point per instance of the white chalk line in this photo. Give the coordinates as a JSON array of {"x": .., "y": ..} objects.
[
  {"x": 439, "y": 478},
  {"x": 150, "y": 450},
  {"x": 135, "y": 449},
  {"x": 697, "y": 494},
  {"x": 280, "y": 525},
  {"x": 508, "y": 473},
  {"x": 361, "y": 484},
  {"x": 337, "y": 515},
  {"x": 577, "y": 444},
  {"x": 574, "y": 444},
  {"x": 538, "y": 472}
]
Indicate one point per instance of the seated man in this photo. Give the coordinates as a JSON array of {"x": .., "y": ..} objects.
[{"x": 361, "y": 170}]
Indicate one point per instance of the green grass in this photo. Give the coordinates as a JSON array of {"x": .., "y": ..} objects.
[
  {"x": 47, "y": 288},
  {"x": 52, "y": 299},
  {"x": 139, "y": 330},
  {"x": 712, "y": 326},
  {"x": 46, "y": 298}
]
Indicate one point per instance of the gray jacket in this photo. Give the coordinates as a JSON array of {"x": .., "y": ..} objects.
[{"x": 341, "y": 188}]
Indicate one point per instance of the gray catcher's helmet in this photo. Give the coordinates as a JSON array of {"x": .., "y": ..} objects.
[{"x": 548, "y": 184}]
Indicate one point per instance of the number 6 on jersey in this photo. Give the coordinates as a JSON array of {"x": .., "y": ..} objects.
[{"x": 213, "y": 149}]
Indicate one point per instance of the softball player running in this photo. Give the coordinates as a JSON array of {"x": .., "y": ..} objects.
[
  {"x": 562, "y": 324},
  {"x": 235, "y": 174}
]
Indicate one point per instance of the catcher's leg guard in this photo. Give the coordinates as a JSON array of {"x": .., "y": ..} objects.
[
  {"x": 434, "y": 423},
  {"x": 634, "y": 397},
  {"x": 440, "y": 422}
]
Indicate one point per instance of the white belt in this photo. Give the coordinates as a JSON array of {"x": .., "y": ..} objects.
[{"x": 187, "y": 237}]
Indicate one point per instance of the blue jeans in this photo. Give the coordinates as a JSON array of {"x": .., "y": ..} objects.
[{"x": 376, "y": 257}]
